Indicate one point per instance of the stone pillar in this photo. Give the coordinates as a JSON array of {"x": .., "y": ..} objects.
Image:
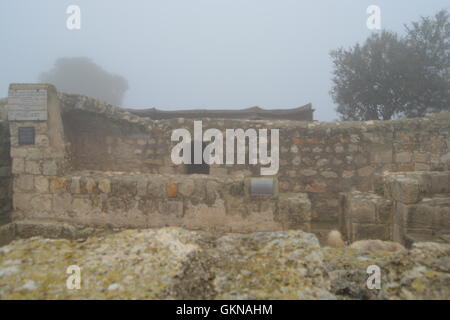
[{"x": 38, "y": 149}]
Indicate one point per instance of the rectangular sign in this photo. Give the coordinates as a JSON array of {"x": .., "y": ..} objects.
[
  {"x": 26, "y": 135},
  {"x": 27, "y": 105},
  {"x": 261, "y": 187}
]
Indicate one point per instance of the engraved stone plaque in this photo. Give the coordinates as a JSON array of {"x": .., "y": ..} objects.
[
  {"x": 26, "y": 135},
  {"x": 261, "y": 187},
  {"x": 27, "y": 105}
]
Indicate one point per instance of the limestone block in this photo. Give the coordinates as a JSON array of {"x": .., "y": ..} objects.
[
  {"x": 24, "y": 182},
  {"x": 21, "y": 201},
  {"x": 59, "y": 185},
  {"x": 142, "y": 187},
  {"x": 360, "y": 209},
  {"x": 88, "y": 185},
  {"x": 382, "y": 156},
  {"x": 124, "y": 187},
  {"x": 316, "y": 186},
  {"x": 212, "y": 190},
  {"x": 403, "y": 189},
  {"x": 41, "y": 184},
  {"x": 171, "y": 208},
  {"x": 18, "y": 152},
  {"x": 403, "y": 157},
  {"x": 18, "y": 165},
  {"x": 82, "y": 206},
  {"x": 370, "y": 231},
  {"x": 348, "y": 174},
  {"x": 440, "y": 182},
  {"x": 41, "y": 203},
  {"x": 329, "y": 174},
  {"x": 75, "y": 185},
  {"x": 50, "y": 168},
  {"x": 294, "y": 209},
  {"x": 308, "y": 172},
  {"x": 366, "y": 171},
  {"x": 32, "y": 167},
  {"x": 62, "y": 203},
  {"x": 419, "y": 216},
  {"x": 186, "y": 187},
  {"x": 156, "y": 188}
]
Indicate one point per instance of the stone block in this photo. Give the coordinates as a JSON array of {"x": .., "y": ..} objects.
[
  {"x": 420, "y": 216},
  {"x": 171, "y": 190},
  {"x": 75, "y": 186},
  {"x": 41, "y": 184},
  {"x": 370, "y": 231},
  {"x": 88, "y": 185},
  {"x": 41, "y": 203},
  {"x": 171, "y": 208},
  {"x": 82, "y": 206},
  {"x": 403, "y": 189},
  {"x": 361, "y": 210},
  {"x": 32, "y": 167},
  {"x": 440, "y": 182},
  {"x": 366, "y": 171},
  {"x": 294, "y": 210},
  {"x": 156, "y": 188},
  {"x": 18, "y": 165},
  {"x": 381, "y": 156},
  {"x": 58, "y": 185},
  {"x": 62, "y": 203},
  {"x": 142, "y": 187},
  {"x": 124, "y": 187},
  {"x": 21, "y": 201},
  {"x": 50, "y": 168},
  {"x": 186, "y": 187},
  {"x": 24, "y": 182},
  {"x": 403, "y": 157}
]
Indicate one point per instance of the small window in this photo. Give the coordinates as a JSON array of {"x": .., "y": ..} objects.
[
  {"x": 26, "y": 136},
  {"x": 193, "y": 168}
]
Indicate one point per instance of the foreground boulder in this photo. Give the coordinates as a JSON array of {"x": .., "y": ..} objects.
[
  {"x": 420, "y": 273},
  {"x": 167, "y": 263},
  {"x": 173, "y": 263}
]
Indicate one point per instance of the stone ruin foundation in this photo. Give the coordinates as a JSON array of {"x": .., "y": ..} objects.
[{"x": 70, "y": 159}]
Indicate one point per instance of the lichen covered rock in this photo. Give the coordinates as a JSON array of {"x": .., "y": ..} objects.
[
  {"x": 167, "y": 263},
  {"x": 173, "y": 263}
]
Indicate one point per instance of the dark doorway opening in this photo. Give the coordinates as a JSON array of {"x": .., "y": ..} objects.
[{"x": 193, "y": 168}]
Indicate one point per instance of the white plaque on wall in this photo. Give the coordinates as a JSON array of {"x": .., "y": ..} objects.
[{"x": 27, "y": 105}]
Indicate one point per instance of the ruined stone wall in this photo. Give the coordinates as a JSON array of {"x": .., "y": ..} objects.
[
  {"x": 114, "y": 167},
  {"x": 320, "y": 159},
  {"x": 409, "y": 206},
  {"x": 153, "y": 200},
  {"x": 5, "y": 167}
]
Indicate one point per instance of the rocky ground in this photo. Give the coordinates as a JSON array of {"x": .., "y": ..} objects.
[{"x": 172, "y": 263}]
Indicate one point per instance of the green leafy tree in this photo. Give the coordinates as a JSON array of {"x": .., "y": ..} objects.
[
  {"x": 429, "y": 41},
  {"x": 389, "y": 76},
  {"x": 82, "y": 76}
]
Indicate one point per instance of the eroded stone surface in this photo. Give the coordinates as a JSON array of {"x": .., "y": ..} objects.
[{"x": 173, "y": 263}]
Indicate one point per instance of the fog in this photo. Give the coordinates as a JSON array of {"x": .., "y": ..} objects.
[{"x": 183, "y": 54}]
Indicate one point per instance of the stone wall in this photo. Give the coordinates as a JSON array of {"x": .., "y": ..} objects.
[
  {"x": 5, "y": 167},
  {"x": 410, "y": 206},
  {"x": 319, "y": 159},
  {"x": 152, "y": 200},
  {"x": 86, "y": 145}
]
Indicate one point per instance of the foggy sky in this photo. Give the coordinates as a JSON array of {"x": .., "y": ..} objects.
[{"x": 182, "y": 54}]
